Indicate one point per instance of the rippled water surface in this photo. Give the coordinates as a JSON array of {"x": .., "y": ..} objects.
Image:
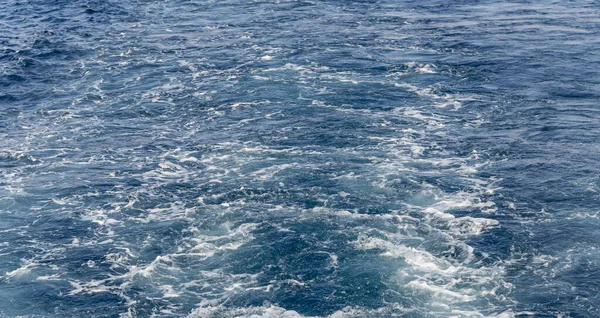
[{"x": 299, "y": 158}]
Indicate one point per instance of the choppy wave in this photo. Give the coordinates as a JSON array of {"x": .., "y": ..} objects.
[{"x": 298, "y": 159}]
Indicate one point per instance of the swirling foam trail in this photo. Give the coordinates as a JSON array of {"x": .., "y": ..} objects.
[{"x": 294, "y": 159}]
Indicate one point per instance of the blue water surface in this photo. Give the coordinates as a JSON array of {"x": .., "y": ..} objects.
[{"x": 299, "y": 158}]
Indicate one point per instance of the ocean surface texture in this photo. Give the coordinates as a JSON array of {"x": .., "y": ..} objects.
[{"x": 219, "y": 159}]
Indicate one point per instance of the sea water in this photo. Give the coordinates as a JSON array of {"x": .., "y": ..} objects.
[{"x": 299, "y": 158}]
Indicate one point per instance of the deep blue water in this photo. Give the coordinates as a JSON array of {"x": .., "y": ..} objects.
[{"x": 299, "y": 158}]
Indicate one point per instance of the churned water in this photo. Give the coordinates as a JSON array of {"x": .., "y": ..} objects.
[{"x": 299, "y": 158}]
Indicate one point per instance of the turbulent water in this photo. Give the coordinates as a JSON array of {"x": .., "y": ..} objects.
[{"x": 299, "y": 158}]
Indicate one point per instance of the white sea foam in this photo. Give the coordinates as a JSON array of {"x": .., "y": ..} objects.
[
  {"x": 422, "y": 68},
  {"x": 25, "y": 269},
  {"x": 200, "y": 192},
  {"x": 392, "y": 310}
]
